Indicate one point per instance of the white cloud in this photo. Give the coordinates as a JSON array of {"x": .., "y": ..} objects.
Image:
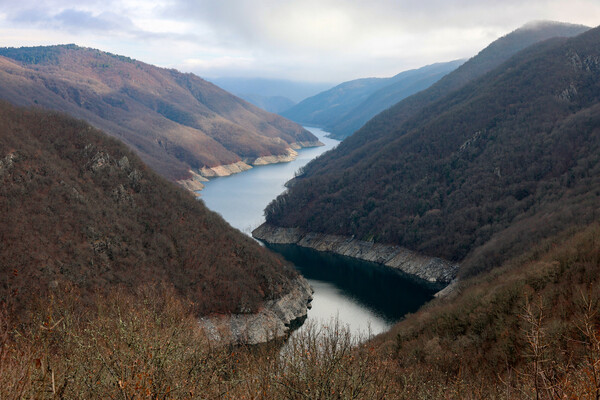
[{"x": 321, "y": 40}]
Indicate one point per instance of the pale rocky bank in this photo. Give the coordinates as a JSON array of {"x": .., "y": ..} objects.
[
  {"x": 433, "y": 271},
  {"x": 198, "y": 177},
  {"x": 273, "y": 321}
]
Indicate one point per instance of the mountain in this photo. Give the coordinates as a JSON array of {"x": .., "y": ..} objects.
[
  {"x": 402, "y": 86},
  {"x": 294, "y": 90},
  {"x": 486, "y": 60},
  {"x": 274, "y": 104},
  {"x": 178, "y": 123},
  {"x": 274, "y": 95},
  {"x": 81, "y": 210},
  {"x": 475, "y": 175},
  {"x": 346, "y": 107},
  {"x": 527, "y": 330}
]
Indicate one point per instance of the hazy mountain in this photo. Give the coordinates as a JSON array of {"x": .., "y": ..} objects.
[
  {"x": 294, "y": 90},
  {"x": 473, "y": 175},
  {"x": 79, "y": 208},
  {"x": 274, "y": 95},
  {"x": 176, "y": 122},
  {"x": 401, "y": 86},
  {"x": 274, "y": 104},
  {"x": 346, "y": 107}
]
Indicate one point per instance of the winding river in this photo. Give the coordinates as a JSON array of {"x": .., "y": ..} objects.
[{"x": 364, "y": 296}]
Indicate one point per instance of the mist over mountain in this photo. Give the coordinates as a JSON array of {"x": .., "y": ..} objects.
[
  {"x": 274, "y": 95},
  {"x": 274, "y": 104},
  {"x": 178, "y": 123},
  {"x": 346, "y": 107}
]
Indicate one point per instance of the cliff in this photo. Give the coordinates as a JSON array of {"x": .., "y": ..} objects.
[
  {"x": 273, "y": 321},
  {"x": 433, "y": 271}
]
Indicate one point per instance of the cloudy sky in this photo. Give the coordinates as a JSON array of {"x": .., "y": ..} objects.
[{"x": 314, "y": 40}]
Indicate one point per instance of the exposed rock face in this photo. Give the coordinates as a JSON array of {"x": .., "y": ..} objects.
[
  {"x": 291, "y": 156},
  {"x": 274, "y": 321},
  {"x": 430, "y": 269},
  {"x": 300, "y": 145},
  {"x": 194, "y": 183},
  {"x": 224, "y": 170}
]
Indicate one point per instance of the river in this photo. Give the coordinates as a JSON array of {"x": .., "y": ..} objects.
[{"x": 364, "y": 296}]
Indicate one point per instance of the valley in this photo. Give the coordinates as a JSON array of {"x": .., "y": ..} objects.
[
  {"x": 241, "y": 199},
  {"x": 163, "y": 238},
  {"x": 184, "y": 127}
]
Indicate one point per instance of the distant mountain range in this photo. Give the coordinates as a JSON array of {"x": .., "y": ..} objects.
[
  {"x": 178, "y": 123},
  {"x": 346, "y": 107},
  {"x": 274, "y": 95},
  {"x": 498, "y": 154}
]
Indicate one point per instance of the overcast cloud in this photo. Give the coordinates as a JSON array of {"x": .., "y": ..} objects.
[{"x": 317, "y": 40}]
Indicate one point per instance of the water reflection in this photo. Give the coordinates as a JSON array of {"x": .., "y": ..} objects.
[
  {"x": 363, "y": 296},
  {"x": 373, "y": 296}
]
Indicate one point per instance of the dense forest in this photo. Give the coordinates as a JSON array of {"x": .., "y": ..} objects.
[
  {"x": 79, "y": 209},
  {"x": 474, "y": 176},
  {"x": 174, "y": 121},
  {"x": 529, "y": 330},
  {"x": 105, "y": 266}
]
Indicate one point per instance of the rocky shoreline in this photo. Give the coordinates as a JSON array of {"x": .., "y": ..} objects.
[
  {"x": 196, "y": 181},
  {"x": 275, "y": 320},
  {"x": 431, "y": 270}
]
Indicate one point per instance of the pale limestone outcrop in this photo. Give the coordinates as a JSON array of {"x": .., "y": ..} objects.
[
  {"x": 290, "y": 156},
  {"x": 194, "y": 183},
  {"x": 273, "y": 321},
  {"x": 300, "y": 145},
  {"x": 224, "y": 170},
  {"x": 430, "y": 269}
]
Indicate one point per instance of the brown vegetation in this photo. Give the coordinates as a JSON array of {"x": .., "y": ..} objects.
[
  {"x": 475, "y": 177},
  {"x": 79, "y": 208},
  {"x": 174, "y": 121},
  {"x": 528, "y": 330},
  {"x": 516, "y": 333},
  {"x": 147, "y": 345}
]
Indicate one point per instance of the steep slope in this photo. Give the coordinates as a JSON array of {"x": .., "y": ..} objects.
[
  {"x": 527, "y": 330},
  {"x": 274, "y": 104},
  {"x": 178, "y": 123},
  {"x": 346, "y": 107},
  {"x": 473, "y": 176},
  {"x": 486, "y": 60},
  {"x": 403, "y": 85},
  {"x": 79, "y": 209}
]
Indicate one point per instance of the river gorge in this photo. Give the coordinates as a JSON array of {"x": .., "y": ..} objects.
[{"x": 365, "y": 296}]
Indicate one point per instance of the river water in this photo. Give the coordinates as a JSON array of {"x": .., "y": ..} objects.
[{"x": 364, "y": 296}]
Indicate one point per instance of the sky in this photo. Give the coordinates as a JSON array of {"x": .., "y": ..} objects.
[{"x": 301, "y": 40}]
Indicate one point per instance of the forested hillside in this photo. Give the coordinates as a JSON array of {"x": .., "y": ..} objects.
[
  {"x": 474, "y": 176},
  {"x": 79, "y": 209},
  {"x": 175, "y": 122},
  {"x": 346, "y": 107}
]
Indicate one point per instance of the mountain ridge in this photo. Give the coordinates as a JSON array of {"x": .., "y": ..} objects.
[
  {"x": 451, "y": 180},
  {"x": 346, "y": 107},
  {"x": 80, "y": 211},
  {"x": 177, "y": 122}
]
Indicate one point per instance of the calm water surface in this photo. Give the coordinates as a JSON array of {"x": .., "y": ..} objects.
[{"x": 362, "y": 295}]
